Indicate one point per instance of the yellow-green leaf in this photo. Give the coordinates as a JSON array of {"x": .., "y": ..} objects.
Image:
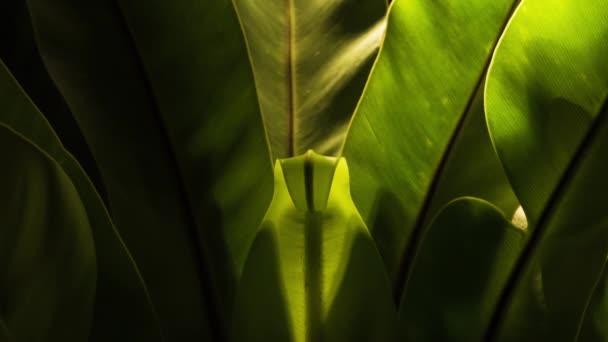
[
  {"x": 426, "y": 75},
  {"x": 313, "y": 272},
  {"x": 547, "y": 107}
]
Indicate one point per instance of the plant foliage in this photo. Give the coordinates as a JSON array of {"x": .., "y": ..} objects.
[{"x": 303, "y": 170}]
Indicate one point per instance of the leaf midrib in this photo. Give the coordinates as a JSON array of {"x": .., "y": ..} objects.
[
  {"x": 291, "y": 86},
  {"x": 544, "y": 219},
  {"x": 409, "y": 254}
]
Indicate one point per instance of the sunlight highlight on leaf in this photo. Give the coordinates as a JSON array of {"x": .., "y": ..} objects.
[{"x": 519, "y": 219}]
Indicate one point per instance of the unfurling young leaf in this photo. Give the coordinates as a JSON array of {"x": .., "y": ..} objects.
[{"x": 313, "y": 272}]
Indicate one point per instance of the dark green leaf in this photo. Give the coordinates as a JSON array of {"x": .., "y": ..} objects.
[
  {"x": 205, "y": 91},
  {"x": 547, "y": 118},
  {"x": 122, "y": 305},
  {"x": 472, "y": 168},
  {"x": 310, "y": 60},
  {"x": 166, "y": 100},
  {"x": 5, "y": 335},
  {"x": 20, "y": 54},
  {"x": 91, "y": 58},
  {"x": 594, "y": 328},
  {"x": 47, "y": 255},
  {"x": 564, "y": 257},
  {"x": 458, "y": 274}
]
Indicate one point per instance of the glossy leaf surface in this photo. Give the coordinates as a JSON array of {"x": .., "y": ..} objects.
[
  {"x": 539, "y": 104},
  {"x": 313, "y": 268},
  {"x": 472, "y": 167},
  {"x": 47, "y": 256},
  {"x": 463, "y": 263},
  {"x": 311, "y": 60},
  {"x": 547, "y": 118},
  {"x": 122, "y": 304},
  {"x": 427, "y": 72}
]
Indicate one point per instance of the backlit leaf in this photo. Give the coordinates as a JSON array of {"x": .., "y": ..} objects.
[
  {"x": 313, "y": 272},
  {"x": 310, "y": 59},
  {"x": 546, "y": 106},
  {"x": 427, "y": 72}
]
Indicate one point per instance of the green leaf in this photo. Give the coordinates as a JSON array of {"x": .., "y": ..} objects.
[
  {"x": 19, "y": 52},
  {"x": 463, "y": 262},
  {"x": 47, "y": 255},
  {"x": 313, "y": 272},
  {"x": 90, "y": 57},
  {"x": 547, "y": 118},
  {"x": 423, "y": 82},
  {"x": 122, "y": 304},
  {"x": 166, "y": 100},
  {"x": 594, "y": 328},
  {"x": 310, "y": 60},
  {"x": 539, "y": 103},
  {"x": 5, "y": 335},
  {"x": 205, "y": 92},
  {"x": 565, "y": 256},
  {"x": 472, "y": 167}
]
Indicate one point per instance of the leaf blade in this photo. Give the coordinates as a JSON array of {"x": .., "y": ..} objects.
[
  {"x": 166, "y": 135},
  {"x": 548, "y": 122},
  {"x": 20, "y": 55},
  {"x": 463, "y": 263},
  {"x": 392, "y": 172},
  {"x": 328, "y": 275},
  {"x": 47, "y": 252},
  {"x": 118, "y": 276},
  {"x": 593, "y": 327},
  {"x": 133, "y": 178},
  {"x": 210, "y": 112},
  {"x": 310, "y": 60}
]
